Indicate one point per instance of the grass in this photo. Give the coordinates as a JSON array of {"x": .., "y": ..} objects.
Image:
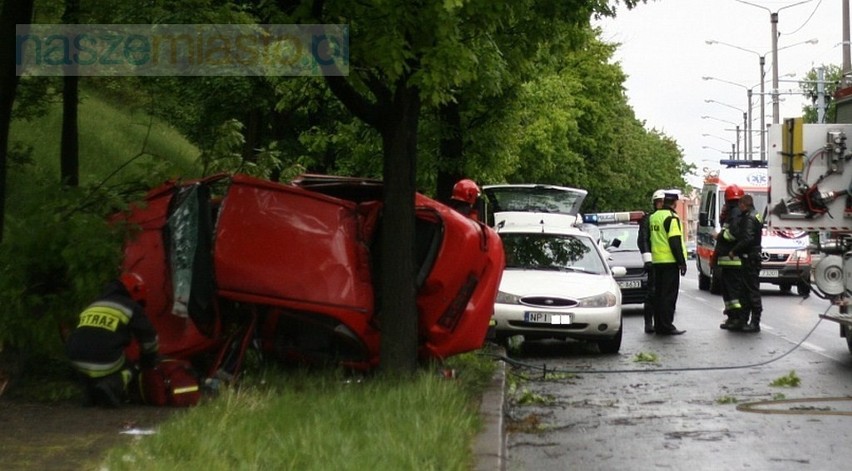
[
  {"x": 109, "y": 137},
  {"x": 324, "y": 421}
]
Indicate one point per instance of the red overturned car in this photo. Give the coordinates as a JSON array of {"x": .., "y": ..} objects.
[{"x": 236, "y": 261}]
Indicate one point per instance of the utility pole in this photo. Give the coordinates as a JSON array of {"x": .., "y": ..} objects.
[
  {"x": 776, "y": 106},
  {"x": 847, "y": 62}
]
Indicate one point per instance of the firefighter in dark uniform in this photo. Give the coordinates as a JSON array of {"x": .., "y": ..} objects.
[
  {"x": 645, "y": 249},
  {"x": 668, "y": 253},
  {"x": 96, "y": 347},
  {"x": 748, "y": 231},
  {"x": 730, "y": 267}
]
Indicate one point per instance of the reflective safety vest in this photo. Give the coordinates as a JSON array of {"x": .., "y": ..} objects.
[{"x": 660, "y": 250}]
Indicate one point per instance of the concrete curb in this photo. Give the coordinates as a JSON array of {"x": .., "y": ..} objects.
[{"x": 490, "y": 445}]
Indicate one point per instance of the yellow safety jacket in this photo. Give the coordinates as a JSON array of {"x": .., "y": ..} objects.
[{"x": 661, "y": 251}]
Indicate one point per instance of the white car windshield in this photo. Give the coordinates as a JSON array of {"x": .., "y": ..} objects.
[{"x": 559, "y": 252}]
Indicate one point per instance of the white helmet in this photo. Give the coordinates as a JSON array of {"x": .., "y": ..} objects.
[{"x": 658, "y": 195}]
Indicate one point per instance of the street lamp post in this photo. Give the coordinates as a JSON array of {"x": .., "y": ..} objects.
[
  {"x": 747, "y": 139},
  {"x": 773, "y": 19},
  {"x": 745, "y": 117},
  {"x": 775, "y": 102},
  {"x": 734, "y": 147},
  {"x": 730, "y": 154}
]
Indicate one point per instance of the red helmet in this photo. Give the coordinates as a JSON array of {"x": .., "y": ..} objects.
[
  {"x": 466, "y": 190},
  {"x": 733, "y": 193},
  {"x": 135, "y": 286}
]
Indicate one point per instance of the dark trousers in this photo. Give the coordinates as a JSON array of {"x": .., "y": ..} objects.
[
  {"x": 649, "y": 299},
  {"x": 666, "y": 285},
  {"x": 751, "y": 299},
  {"x": 733, "y": 292}
]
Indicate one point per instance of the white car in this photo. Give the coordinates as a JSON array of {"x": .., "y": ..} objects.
[{"x": 556, "y": 283}]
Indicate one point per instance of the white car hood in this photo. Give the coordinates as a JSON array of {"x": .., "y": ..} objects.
[{"x": 555, "y": 283}]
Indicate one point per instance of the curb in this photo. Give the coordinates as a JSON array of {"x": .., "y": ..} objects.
[{"x": 490, "y": 444}]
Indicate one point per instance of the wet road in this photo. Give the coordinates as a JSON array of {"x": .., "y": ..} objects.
[{"x": 591, "y": 411}]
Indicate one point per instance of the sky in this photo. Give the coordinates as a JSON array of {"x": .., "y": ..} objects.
[{"x": 664, "y": 53}]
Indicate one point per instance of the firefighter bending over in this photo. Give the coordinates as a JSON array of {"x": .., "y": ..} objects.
[{"x": 104, "y": 330}]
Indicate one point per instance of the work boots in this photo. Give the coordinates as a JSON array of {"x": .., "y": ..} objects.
[
  {"x": 754, "y": 325},
  {"x": 734, "y": 320}
]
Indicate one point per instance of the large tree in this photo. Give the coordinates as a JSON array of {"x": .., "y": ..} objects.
[
  {"x": 404, "y": 56},
  {"x": 12, "y": 13}
]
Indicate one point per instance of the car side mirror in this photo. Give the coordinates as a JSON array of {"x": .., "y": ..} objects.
[{"x": 615, "y": 243}]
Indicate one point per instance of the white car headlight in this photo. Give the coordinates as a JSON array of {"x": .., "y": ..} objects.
[
  {"x": 506, "y": 298},
  {"x": 600, "y": 300}
]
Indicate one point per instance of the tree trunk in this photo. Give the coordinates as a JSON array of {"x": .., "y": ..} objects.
[
  {"x": 70, "y": 146},
  {"x": 397, "y": 271},
  {"x": 451, "y": 148},
  {"x": 14, "y": 12},
  {"x": 69, "y": 165}
]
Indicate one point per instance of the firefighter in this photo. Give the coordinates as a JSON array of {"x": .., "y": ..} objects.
[
  {"x": 645, "y": 248},
  {"x": 748, "y": 230},
  {"x": 730, "y": 267},
  {"x": 96, "y": 347},
  {"x": 668, "y": 256},
  {"x": 465, "y": 194}
]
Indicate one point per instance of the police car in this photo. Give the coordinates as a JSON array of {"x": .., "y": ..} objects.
[{"x": 618, "y": 235}]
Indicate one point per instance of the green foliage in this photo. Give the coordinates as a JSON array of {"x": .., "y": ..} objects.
[
  {"x": 645, "y": 357},
  {"x": 790, "y": 380},
  {"x": 58, "y": 252},
  {"x": 832, "y": 76},
  {"x": 726, "y": 400}
]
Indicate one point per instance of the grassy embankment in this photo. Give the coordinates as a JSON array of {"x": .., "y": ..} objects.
[{"x": 276, "y": 420}]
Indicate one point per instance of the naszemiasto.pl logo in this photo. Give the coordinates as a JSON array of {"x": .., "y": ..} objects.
[{"x": 182, "y": 50}]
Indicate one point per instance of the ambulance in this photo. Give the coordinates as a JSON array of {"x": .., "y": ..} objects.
[{"x": 786, "y": 261}]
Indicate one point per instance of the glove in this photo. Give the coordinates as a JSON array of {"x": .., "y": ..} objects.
[
  {"x": 648, "y": 267},
  {"x": 682, "y": 270}
]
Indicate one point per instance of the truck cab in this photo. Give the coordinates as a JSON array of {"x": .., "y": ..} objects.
[{"x": 785, "y": 258}]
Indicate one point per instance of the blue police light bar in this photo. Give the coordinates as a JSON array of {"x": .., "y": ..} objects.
[{"x": 609, "y": 218}]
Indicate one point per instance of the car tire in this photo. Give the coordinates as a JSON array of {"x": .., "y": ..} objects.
[
  {"x": 803, "y": 289},
  {"x": 612, "y": 344},
  {"x": 703, "y": 280},
  {"x": 785, "y": 287},
  {"x": 715, "y": 282}
]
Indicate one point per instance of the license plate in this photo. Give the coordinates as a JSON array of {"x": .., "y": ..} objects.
[
  {"x": 769, "y": 273},
  {"x": 546, "y": 318},
  {"x": 630, "y": 284}
]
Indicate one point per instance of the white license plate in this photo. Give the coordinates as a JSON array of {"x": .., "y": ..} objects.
[
  {"x": 546, "y": 318},
  {"x": 630, "y": 284},
  {"x": 769, "y": 273}
]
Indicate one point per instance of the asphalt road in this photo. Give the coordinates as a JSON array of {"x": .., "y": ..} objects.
[{"x": 699, "y": 405}]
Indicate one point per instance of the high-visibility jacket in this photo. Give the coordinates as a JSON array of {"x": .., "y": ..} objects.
[
  {"x": 105, "y": 329},
  {"x": 667, "y": 244}
]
